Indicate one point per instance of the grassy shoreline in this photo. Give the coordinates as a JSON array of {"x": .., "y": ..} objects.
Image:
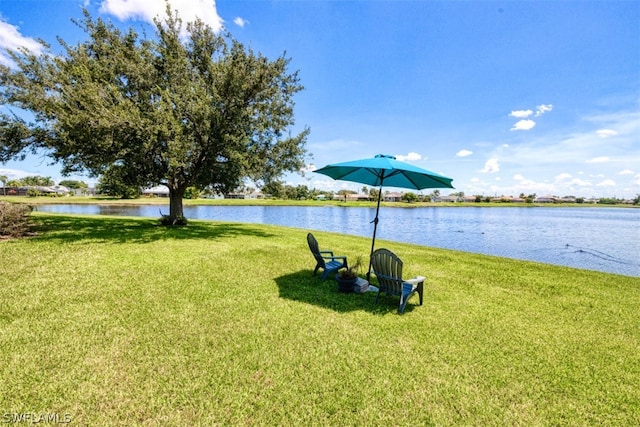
[
  {"x": 278, "y": 202},
  {"x": 114, "y": 320}
]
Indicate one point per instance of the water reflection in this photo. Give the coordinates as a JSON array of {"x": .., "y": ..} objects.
[{"x": 604, "y": 239}]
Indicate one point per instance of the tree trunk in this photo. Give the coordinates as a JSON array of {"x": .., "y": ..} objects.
[{"x": 175, "y": 204}]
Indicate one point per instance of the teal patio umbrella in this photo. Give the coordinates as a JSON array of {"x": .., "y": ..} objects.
[{"x": 384, "y": 170}]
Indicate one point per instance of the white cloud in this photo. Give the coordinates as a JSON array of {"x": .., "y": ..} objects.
[
  {"x": 580, "y": 182},
  {"x": 601, "y": 159},
  {"x": 626, "y": 172},
  {"x": 409, "y": 157},
  {"x": 605, "y": 133},
  {"x": 528, "y": 183},
  {"x": 521, "y": 114},
  {"x": 491, "y": 166},
  {"x": 240, "y": 22},
  {"x": 11, "y": 39},
  {"x": 567, "y": 181},
  {"x": 147, "y": 10},
  {"x": 607, "y": 183},
  {"x": 636, "y": 179},
  {"x": 541, "y": 109},
  {"x": 524, "y": 125},
  {"x": 522, "y": 182},
  {"x": 308, "y": 168},
  {"x": 14, "y": 173},
  {"x": 464, "y": 153}
]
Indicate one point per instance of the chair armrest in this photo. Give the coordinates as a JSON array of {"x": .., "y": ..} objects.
[
  {"x": 415, "y": 280},
  {"x": 329, "y": 255}
]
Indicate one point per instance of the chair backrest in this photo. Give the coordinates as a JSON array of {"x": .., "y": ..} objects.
[
  {"x": 315, "y": 250},
  {"x": 388, "y": 270}
]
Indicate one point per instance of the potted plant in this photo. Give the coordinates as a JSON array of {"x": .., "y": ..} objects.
[{"x": 348, "y": 277}]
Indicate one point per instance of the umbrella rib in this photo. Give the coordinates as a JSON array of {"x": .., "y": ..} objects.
[
  {"x": 370, "y": 170},
  {"x": 415, "y": 184},
  {"x": 399, "y": 172}
]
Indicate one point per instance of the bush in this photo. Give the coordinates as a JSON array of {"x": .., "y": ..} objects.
[
  {"x": 409, "y": 197},
  {"x": 608, "y": 201},
  {"x": 192, "y": 193},
  {"x": 14, "y": 219}
]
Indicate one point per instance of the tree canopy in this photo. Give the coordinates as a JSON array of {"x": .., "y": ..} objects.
[
  {"x": 73, "y": 184},
  {"x": 204, "y": 111},
  {"x": 34, "y": 181}
]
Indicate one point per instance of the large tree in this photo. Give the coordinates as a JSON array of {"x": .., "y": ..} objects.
[{"x": 198, "y": 111}]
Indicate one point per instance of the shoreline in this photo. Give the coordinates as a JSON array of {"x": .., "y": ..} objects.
[{"x": 159, "y": 201}]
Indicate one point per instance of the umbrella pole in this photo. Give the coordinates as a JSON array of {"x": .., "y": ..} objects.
[{"x": 375, "y": 227}]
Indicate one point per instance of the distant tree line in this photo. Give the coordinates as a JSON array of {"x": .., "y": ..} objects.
[
  {"x": 41, "y": 181},
  {"x": 33, "y": 182},
  {"x": 110, "y": 185}
]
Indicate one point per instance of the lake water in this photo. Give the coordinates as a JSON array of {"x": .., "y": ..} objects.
[{"x": 603, "y": 239}]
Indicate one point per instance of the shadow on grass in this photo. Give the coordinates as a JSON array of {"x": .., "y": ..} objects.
[
  {"x": 302, "y": 286},
  {"x": 133, "y": 230}
]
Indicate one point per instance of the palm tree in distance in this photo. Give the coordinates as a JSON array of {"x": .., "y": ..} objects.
[{"x": 4, "y": 180}]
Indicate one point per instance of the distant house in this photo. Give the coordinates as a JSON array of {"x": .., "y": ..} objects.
[
  {"x": 507, "y": 199},
  {"x": 545, "y": 199},
  {"x": 351, "y": 197},
  {"x": 235, "y": 196},
  {"x": 392, "y": 197},
  {"x": 89, "y": 191},
  {"x": 451, "y": 199},
  {"x": 214, "y": 196},
  {"x": 357, "y": 197},
  {"x": 15, "y": 191},
  {"x": 242, "y": 195},
  {"x": 56, "y": 189},
  {"x": 157, "y": 191}
]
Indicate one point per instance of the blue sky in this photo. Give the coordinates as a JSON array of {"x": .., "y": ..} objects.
[{"x": 505, "y": 97}]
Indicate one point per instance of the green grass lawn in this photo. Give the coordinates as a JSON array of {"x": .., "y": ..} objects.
[{"x": 116, "y": 321}]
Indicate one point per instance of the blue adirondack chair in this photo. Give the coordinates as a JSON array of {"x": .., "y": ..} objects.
[
  {"x": 325, "y": 259},
  {"x": 388, "y": 270}
]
